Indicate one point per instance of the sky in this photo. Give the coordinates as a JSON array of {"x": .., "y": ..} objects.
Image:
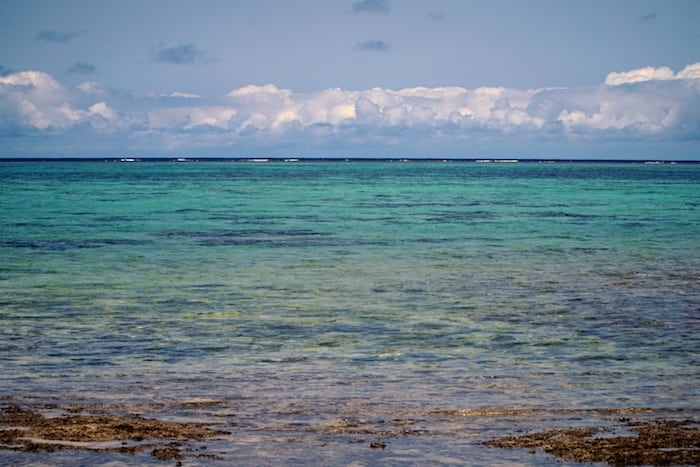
[{"x": 351, "y": 78}]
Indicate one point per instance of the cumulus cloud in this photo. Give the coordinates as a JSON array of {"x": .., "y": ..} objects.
[
  {"x": 691, "y": 71},
  {"x": 82, "y": 68},
  {"x": 646, "y": 112},
  {"x": 33, "y": 101},
  {"x": 371, "y": 6},
  {"x": 373, "y": 46},
  {"x": 181, "y": 54},
  {"x": 189, "y": 118},
  {"x": 649, "y": 73},
  {"x": 57, "y": 36},
  {"x": 640, "y": 74},
  {"x": 649, "y": 104}
]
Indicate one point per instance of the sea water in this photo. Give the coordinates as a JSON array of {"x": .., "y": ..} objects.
[{"x": 311, "y": 308}]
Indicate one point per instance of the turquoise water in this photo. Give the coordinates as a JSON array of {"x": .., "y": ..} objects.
[{"x": 294, "y": 296}]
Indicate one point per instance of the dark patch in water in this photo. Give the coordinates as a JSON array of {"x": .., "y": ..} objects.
[
  {"x": 462, "y": 216},
  {"x": 185, "y": 233},
  {"x": 239, "y": 233},
  {"x": 204, "y": 286},
  {"x": 30, "y": 224},
  {"x": 62, "y": 244},
  {"x": 562, "y": 214},
  {"x": 116, "y": 219},
  {"x": 184, "y": 210},
  {"x": 431, "y": 240},
  {"x": 293, "y": 242},
  {"x": 270, "y": 237}
]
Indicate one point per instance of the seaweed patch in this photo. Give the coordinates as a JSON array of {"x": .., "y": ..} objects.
[{"x": 655, "y": 442}]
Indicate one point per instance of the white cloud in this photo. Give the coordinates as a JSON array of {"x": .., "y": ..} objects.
[
  {"x": 330, "y": 106},
  {"x": 103, "y": 110},
  {"x": 35, "y": 100},
  {"x": 641, "y": 74},
  {"x": 691, "y": 71},
  {"x": 187, "y": 118},
  {"x": 269, "y": 91},
  {"x": 182, "y": 95},
  {"x": 650, "y": 73},
  {"x": 32, "y": 101},
  {"x": 92, "y": 88},
  {"x": 270, "y": 107},
  {"x": 642, "y": 113}
]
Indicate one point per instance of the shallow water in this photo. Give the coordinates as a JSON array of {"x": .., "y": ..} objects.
[{"x": 296, "y": 296}]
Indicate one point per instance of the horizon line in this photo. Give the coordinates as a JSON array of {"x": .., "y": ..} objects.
[{"x": 292, "y": 159}]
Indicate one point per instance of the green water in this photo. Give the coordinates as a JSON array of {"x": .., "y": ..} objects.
[{"x": 350, "y": 289}]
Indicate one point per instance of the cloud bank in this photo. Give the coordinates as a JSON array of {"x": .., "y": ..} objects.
[{"x": 647, "y": 105}]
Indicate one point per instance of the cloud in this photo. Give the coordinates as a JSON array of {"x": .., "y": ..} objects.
[
  {"x": 691, "y": 71},
  {"x": 640, "y": 74},
  {"x": 645, "y": 110},
  {"x": 82, "y": 68},
  {"x": 56, "y": 36},
  {"x": 371, "y": 6},
  {"x": 33, "y": 102},
  {"x": 644, "y": 106},
  {"x": 190, "y": 118},
  {"x": 92, "y": 88},
  {"x": 373, "y": 46},
  {"x": 182, "y": 95},
  {"x": 650, "y": 73},
  {"x": 181, "y": 54}
]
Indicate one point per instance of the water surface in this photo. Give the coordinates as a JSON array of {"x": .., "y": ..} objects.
[{"x": 299, "y": 297}]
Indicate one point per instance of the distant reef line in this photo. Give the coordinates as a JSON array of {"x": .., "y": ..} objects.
[{"x": 278, "y": 159}]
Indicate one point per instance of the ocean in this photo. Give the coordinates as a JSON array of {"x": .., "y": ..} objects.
[{"x": 349, "y": 312}]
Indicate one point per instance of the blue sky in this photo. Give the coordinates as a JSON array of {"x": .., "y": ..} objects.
[{"x": 411, "y": 78}]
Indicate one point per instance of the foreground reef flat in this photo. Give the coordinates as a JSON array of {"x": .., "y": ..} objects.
[
  {"x": 651, "y": 442},
  {"x": 617, "y": 437},
  {"x": 28, "y": 430}
]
